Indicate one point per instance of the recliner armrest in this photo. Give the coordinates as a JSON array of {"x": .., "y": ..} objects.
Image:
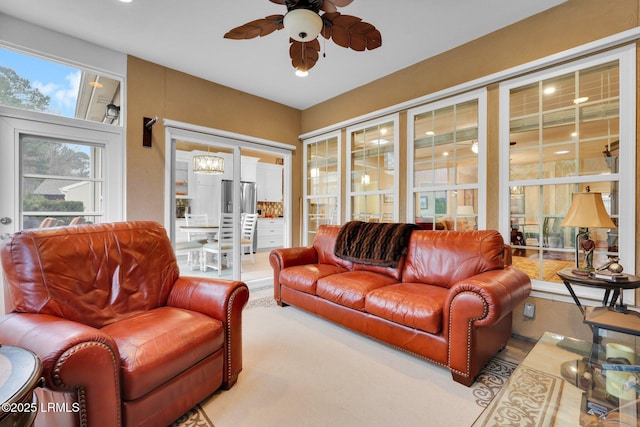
[
  {"x": 222, "y": 300},
  {"x": 75, "y": 358}
]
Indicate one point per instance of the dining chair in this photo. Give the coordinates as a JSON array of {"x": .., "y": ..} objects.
[
  {"x": 48, "y": 222},
  {"x": 77, "y": 220},
  {"x": 222, "y": 245},
  {"x": 249, "y": 222},
  {"x": 193, "y": 246}
]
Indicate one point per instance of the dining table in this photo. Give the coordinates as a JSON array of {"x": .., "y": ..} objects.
[{"x": 210, "y": 230}]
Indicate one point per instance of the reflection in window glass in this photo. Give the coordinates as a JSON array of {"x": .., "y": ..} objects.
[
  {"x": 445, "y": 169},
  {"x": 322, "y": 187},
  {"x": 561, "y": 129},
  {"x": 36, "y": 84},
  {"x": 373, "y": 172},
  {"x": 62, "y": 182}
]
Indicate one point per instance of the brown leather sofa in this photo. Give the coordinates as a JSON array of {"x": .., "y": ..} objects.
[
  {"x": 449, "y": 300},
  {"x": 123, "y": 339}
]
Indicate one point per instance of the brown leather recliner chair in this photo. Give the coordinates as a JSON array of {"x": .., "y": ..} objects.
[{"x": 123, "y": 339}]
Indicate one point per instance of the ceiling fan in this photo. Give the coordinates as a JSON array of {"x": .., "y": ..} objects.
[{"x": 303, "y": 22}]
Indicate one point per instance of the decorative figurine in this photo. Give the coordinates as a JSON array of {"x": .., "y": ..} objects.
[
  {"x": 612, "y": 265},
  {"x": 588, "y": 246}
]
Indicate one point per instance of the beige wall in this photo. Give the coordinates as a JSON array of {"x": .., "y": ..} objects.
[
  {"x": 571, "y": 24},
  {"x": 153, "y": 90}
]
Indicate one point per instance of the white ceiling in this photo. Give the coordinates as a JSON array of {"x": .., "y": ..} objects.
[{"x": 188, "y": 36}]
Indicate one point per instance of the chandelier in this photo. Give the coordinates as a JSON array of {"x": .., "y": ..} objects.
[{"x": 206, "y": 164}]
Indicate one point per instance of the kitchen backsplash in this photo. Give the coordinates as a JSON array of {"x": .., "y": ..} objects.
[{"x": 271, "y": 209}]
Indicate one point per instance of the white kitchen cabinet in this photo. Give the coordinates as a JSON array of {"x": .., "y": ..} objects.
[
  {"x": 248, "y": 171},
  {"x": 270, "y": 233},
  {"x": 183, "y": 179},
  {"x": 269, "y": 180}
]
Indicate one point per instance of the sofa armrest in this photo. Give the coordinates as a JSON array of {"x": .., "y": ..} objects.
[
  {"x": 75, "y": 358},
  {"x": 288, "y": 257},
  {"x": 498, "y": 293},
  {"x": 480, "y": 301},
  {"x": 220, "y": 299}
]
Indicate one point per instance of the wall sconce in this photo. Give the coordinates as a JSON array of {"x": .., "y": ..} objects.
[
  {"x": 147, "y": 124},
  {"x": 112, "y": 113}
]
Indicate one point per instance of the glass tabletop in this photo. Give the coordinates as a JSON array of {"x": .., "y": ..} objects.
[{"x": 568, "y": 382}]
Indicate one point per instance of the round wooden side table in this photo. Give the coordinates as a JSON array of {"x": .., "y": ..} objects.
[{"x": 20, "y": 374}]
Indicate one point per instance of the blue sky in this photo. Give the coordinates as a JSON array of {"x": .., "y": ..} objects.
[{"x": 57, "y": 81}]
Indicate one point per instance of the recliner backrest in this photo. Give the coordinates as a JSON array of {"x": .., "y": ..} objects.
[{"x": 95, "y": 274}]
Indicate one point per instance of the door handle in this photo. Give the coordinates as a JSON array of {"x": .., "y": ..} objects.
[{"x": 5, "y": 220}]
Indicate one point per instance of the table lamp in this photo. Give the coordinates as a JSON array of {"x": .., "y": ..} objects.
[{"x": 587, "y": 211}]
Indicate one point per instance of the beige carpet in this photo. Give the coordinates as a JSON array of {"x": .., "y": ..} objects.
[{"x": 300, "y": 370}]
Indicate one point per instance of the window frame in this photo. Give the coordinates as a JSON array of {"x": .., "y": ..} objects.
[
  {"x": 481, "y": 185},
  {"x": 305, "y": 192},
  {"x": 626, "y": 56},
  {"x": 395, "y": 191}
]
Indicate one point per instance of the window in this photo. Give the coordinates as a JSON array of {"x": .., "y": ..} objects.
[
  {"x": 446, "y": 153},
  {"x": 35, "y": 84},
  {"x": 569, "y": 128},
  {"x": 372, "y": 172},
  {"x": 322, "y": 189},
  {"x": 62, "y": 182}
]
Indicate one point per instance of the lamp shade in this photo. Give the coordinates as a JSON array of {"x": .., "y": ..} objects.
[
  {"x": 465, "y": 210},
  {"x": 302, "y": 25},
  {"x": 208, "y": 165},
  {"x": 587, "y": 211}
]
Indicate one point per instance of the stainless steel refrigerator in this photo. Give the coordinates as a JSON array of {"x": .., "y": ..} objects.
[{"x": 248, "y": 201}]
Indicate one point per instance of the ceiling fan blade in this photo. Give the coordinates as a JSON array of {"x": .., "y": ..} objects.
[
  {"x": 332, "y": 5},
  {"x": 304, "y": 55},
  {"x": 288, "y": 3},
  {"x": 257, "y": 28},
  {"x": 350, "y": 32}
]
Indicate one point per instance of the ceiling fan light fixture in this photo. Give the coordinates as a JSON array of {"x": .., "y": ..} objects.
[
  {"x": 302, "y": 24},
  {"x": 301, "y": 73}
]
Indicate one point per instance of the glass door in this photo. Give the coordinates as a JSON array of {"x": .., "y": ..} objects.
[{"x": 206, "y": 220}]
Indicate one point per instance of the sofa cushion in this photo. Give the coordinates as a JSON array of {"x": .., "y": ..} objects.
[
  {"x": 395, "y": 272},
  {"x": 349, "y": 289},
  {"x": 159, "y": 344},
  {"x": 414, "y": 305},
  {"x": 325, "y": 242},
  {"x": 444, "y": 258},
  {"x": 303, "y": 278}
]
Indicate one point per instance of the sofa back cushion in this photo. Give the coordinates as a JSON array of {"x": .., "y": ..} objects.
[
  {"x": 444, "y": 258},
  {"x": 93, "y": 274},
  {"x": 325, "y": 243}
]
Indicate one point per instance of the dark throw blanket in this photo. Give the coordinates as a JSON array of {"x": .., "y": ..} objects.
[{"x": 373, "y": 243}]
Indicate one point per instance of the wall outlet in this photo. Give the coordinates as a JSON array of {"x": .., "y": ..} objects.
[{"x": 530, "y": 310}]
